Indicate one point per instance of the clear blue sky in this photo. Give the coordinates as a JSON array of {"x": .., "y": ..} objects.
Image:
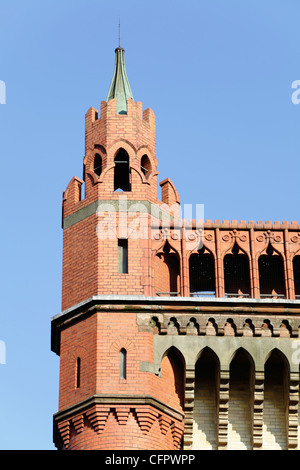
[{"x": 218, "y": 76}]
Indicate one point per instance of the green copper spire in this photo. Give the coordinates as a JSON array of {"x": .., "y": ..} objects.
[{"x": 119, "y": 87}]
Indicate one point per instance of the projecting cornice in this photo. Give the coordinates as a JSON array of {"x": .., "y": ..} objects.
[{"x": 169, "y": 305}]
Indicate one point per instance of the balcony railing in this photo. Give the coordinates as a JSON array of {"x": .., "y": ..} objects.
[
  {"x": 272, "y": 296},
  {"x": 228, "y": 295},
  {"x": 232, "y": 295},
  {"x": 203, "y": 294},
  {"x": 169, "y": 294}
]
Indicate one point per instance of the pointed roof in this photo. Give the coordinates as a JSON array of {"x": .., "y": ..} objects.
[{"x": 119, "y": 87}]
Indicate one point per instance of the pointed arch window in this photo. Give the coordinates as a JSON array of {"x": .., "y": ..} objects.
[
  {"x": 122, "y": 173},
  {"x": 271, "y": 274},
  {"x": 202, "y": 273},
  {"x": 236, "y": 273},
  {"x": 296, "y": 270},
  {"x": 167, "y": 272},
  {"x": 173, "y": 374},
  {"x": 98, "y": 164},
  {"x": 145, "y": 165},
  {"x": 206, "y": 400},
  {"x": 276, "y": 401},
  {"x": 241, "y": 398}
]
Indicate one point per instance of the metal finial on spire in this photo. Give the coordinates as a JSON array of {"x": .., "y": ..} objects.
[{"x": 119, "y": 87}]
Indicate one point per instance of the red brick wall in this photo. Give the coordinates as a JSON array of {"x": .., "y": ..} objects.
[
  {"x": 98, "y": 340},
  {"x": 80, "y": 340},
  {"x": 80, "y": 262}
]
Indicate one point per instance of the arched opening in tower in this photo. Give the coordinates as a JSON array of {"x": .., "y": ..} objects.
[
  {"x": 275, "y": 406},
  {"x": 240, "y": 406},
  {"x": 173, "y": 377},
  {"x": 205, "y": 416},
  {"x": 202, "y": 273},
  {"x": 172, "y": 387},
  {"x": 122, "y": 171},
  {"x": 271, "y": 274},
  {"x": 236, "y": 273},
  {"x": 98, "y": 164},
  {"x": 145, "y": 165}
]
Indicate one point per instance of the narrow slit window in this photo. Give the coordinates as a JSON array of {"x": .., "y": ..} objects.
[
  {"x": 78, "y": 372},
  {"x": 123, "y": 256},
  {"x": 123, "y": 365}
]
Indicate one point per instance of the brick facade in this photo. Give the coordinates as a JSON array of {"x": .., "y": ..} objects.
[{"x": 194, "y": 297}]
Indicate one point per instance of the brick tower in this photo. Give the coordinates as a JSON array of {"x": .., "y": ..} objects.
[
  {"x": 172, "y": 335},
  {"x": 110, "y": 395}
]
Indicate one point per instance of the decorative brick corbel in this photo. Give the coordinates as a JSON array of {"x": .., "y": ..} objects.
[
  {"x": 98, "y": 417},
  {"x": 164, "y": 424},
  {"x": 64, "y": 429},
  {"x": 177, "y": 433},
  {"x": 78, "y": 422},
  {"x": 122, "y": 414},
  {"x": 146, "y": 416}
]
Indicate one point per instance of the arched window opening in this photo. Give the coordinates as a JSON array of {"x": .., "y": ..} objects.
[
  {"x": 237, "y": 273},
  {"x": 276, "y": 400},
  {"x": 205, "y": 416},
  {"x": 173, "y": 264},
  {"x": 167, "y": 272},
  {"x": 271, "y": 274},
  {"x": 98, "y": 164},
  {"x": 122, "y": 176},
  {"x": 78, "y": 372},
  {"x": 145, "y": 165},
  {"x": 241, "y": 401},
  {"x": 202, "y": 273},
  {"x": 123, "y": 364},
  {"x": 296, "y": 269},
  {"x": 173, "y": 378}
]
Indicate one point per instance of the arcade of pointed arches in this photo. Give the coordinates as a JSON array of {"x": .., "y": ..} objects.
[
  {"x": 239, "y": 401},
  {"x": 204, "y": 273}
]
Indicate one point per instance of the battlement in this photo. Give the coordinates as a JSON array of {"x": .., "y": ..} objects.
[
  {"x": 137, "y": 125},
  {"x": 259, "y": 225}
]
